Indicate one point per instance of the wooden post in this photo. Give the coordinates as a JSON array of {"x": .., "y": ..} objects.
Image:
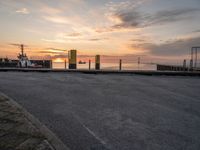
[
  {"x": 120, "y": 64},
  {"x": 138, "y": 63},
  {"x": 65, "y": 64},
  {"x": 89, "y": 64}
]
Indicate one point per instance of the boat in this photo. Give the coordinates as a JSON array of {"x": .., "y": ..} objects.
[
  {"x": 81, "y": 62},
  {"x": 24, "y": 62}
]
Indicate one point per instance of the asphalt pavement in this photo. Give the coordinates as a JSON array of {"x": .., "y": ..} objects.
[{"x": 111, "y": 112}]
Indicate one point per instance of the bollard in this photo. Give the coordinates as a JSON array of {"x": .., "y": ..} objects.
[
  {"x": 72, "y": 59},
  {"x": 65, "y": 64},
  {"x": 97, "y": 62},
  {"x": 89, "y": 64},
  {"x": 120, "y": 64},
  {"x": 138, "y": 63},
  {"x": 184, "y": 65}
]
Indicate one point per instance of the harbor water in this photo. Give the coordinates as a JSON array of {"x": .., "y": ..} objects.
[{"x": 108, "y": 66}]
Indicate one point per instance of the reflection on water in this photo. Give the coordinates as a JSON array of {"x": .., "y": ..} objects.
[{"x": 108, "y": 66}]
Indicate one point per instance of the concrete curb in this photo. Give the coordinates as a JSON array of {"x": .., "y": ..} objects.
[
  {"x": 129, "y": 72},
  {"x": 51, "y": 137}
]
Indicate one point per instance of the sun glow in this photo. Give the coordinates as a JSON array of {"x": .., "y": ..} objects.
[{"x": 58, "y": 60}]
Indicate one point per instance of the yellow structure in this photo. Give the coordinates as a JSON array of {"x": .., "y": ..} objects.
[
  {"x": 97, "y": 62},
  {"x": 72, "y": 56}
]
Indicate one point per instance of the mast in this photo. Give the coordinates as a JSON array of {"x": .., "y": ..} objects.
[{"x": 22, "y": 49}]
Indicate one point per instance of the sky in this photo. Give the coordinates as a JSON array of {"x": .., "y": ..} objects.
[{"x": 153, "y": 29}]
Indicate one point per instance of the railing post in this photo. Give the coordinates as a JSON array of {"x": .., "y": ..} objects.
[
  {"x": 138, "y": 63},
  {"x": 89, "y": 64},
  {"x": 120, "y": 64},
  {"x": 65, "y": 64}
]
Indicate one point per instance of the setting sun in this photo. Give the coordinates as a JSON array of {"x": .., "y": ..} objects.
[{"x": 58, "y": 60}]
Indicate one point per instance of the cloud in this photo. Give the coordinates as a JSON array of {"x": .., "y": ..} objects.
[
  {"x": 24, "y": 11},
  {"x": 54, "y": 40},
  {"x": 169, "y": 16},
  {"x": 178, "y": 47},
  {"x": 74, "y": 34},
  {"x": 57, "y": 19},
  {"x": 139, "y": 40},
  {"x": 129, "y": 20},
  {"x": 48, "y": 52},
  {"x": 52, "y": 50},
  {"x": 98, "y": 39},
  {"x": 127, "y": 15},
  {"x": 136, "y": 19},
  {"x": 56, "y": 49},
  {"x": 50, "y": 10},
  {"x": 124, "y": 5},
  {"x": 197, "y": 31}
]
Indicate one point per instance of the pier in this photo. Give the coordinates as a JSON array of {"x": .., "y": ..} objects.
[{"x": 172, "y": 68}]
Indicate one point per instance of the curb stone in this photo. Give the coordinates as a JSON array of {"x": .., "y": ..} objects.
[{"x": 53, "y": 142}]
